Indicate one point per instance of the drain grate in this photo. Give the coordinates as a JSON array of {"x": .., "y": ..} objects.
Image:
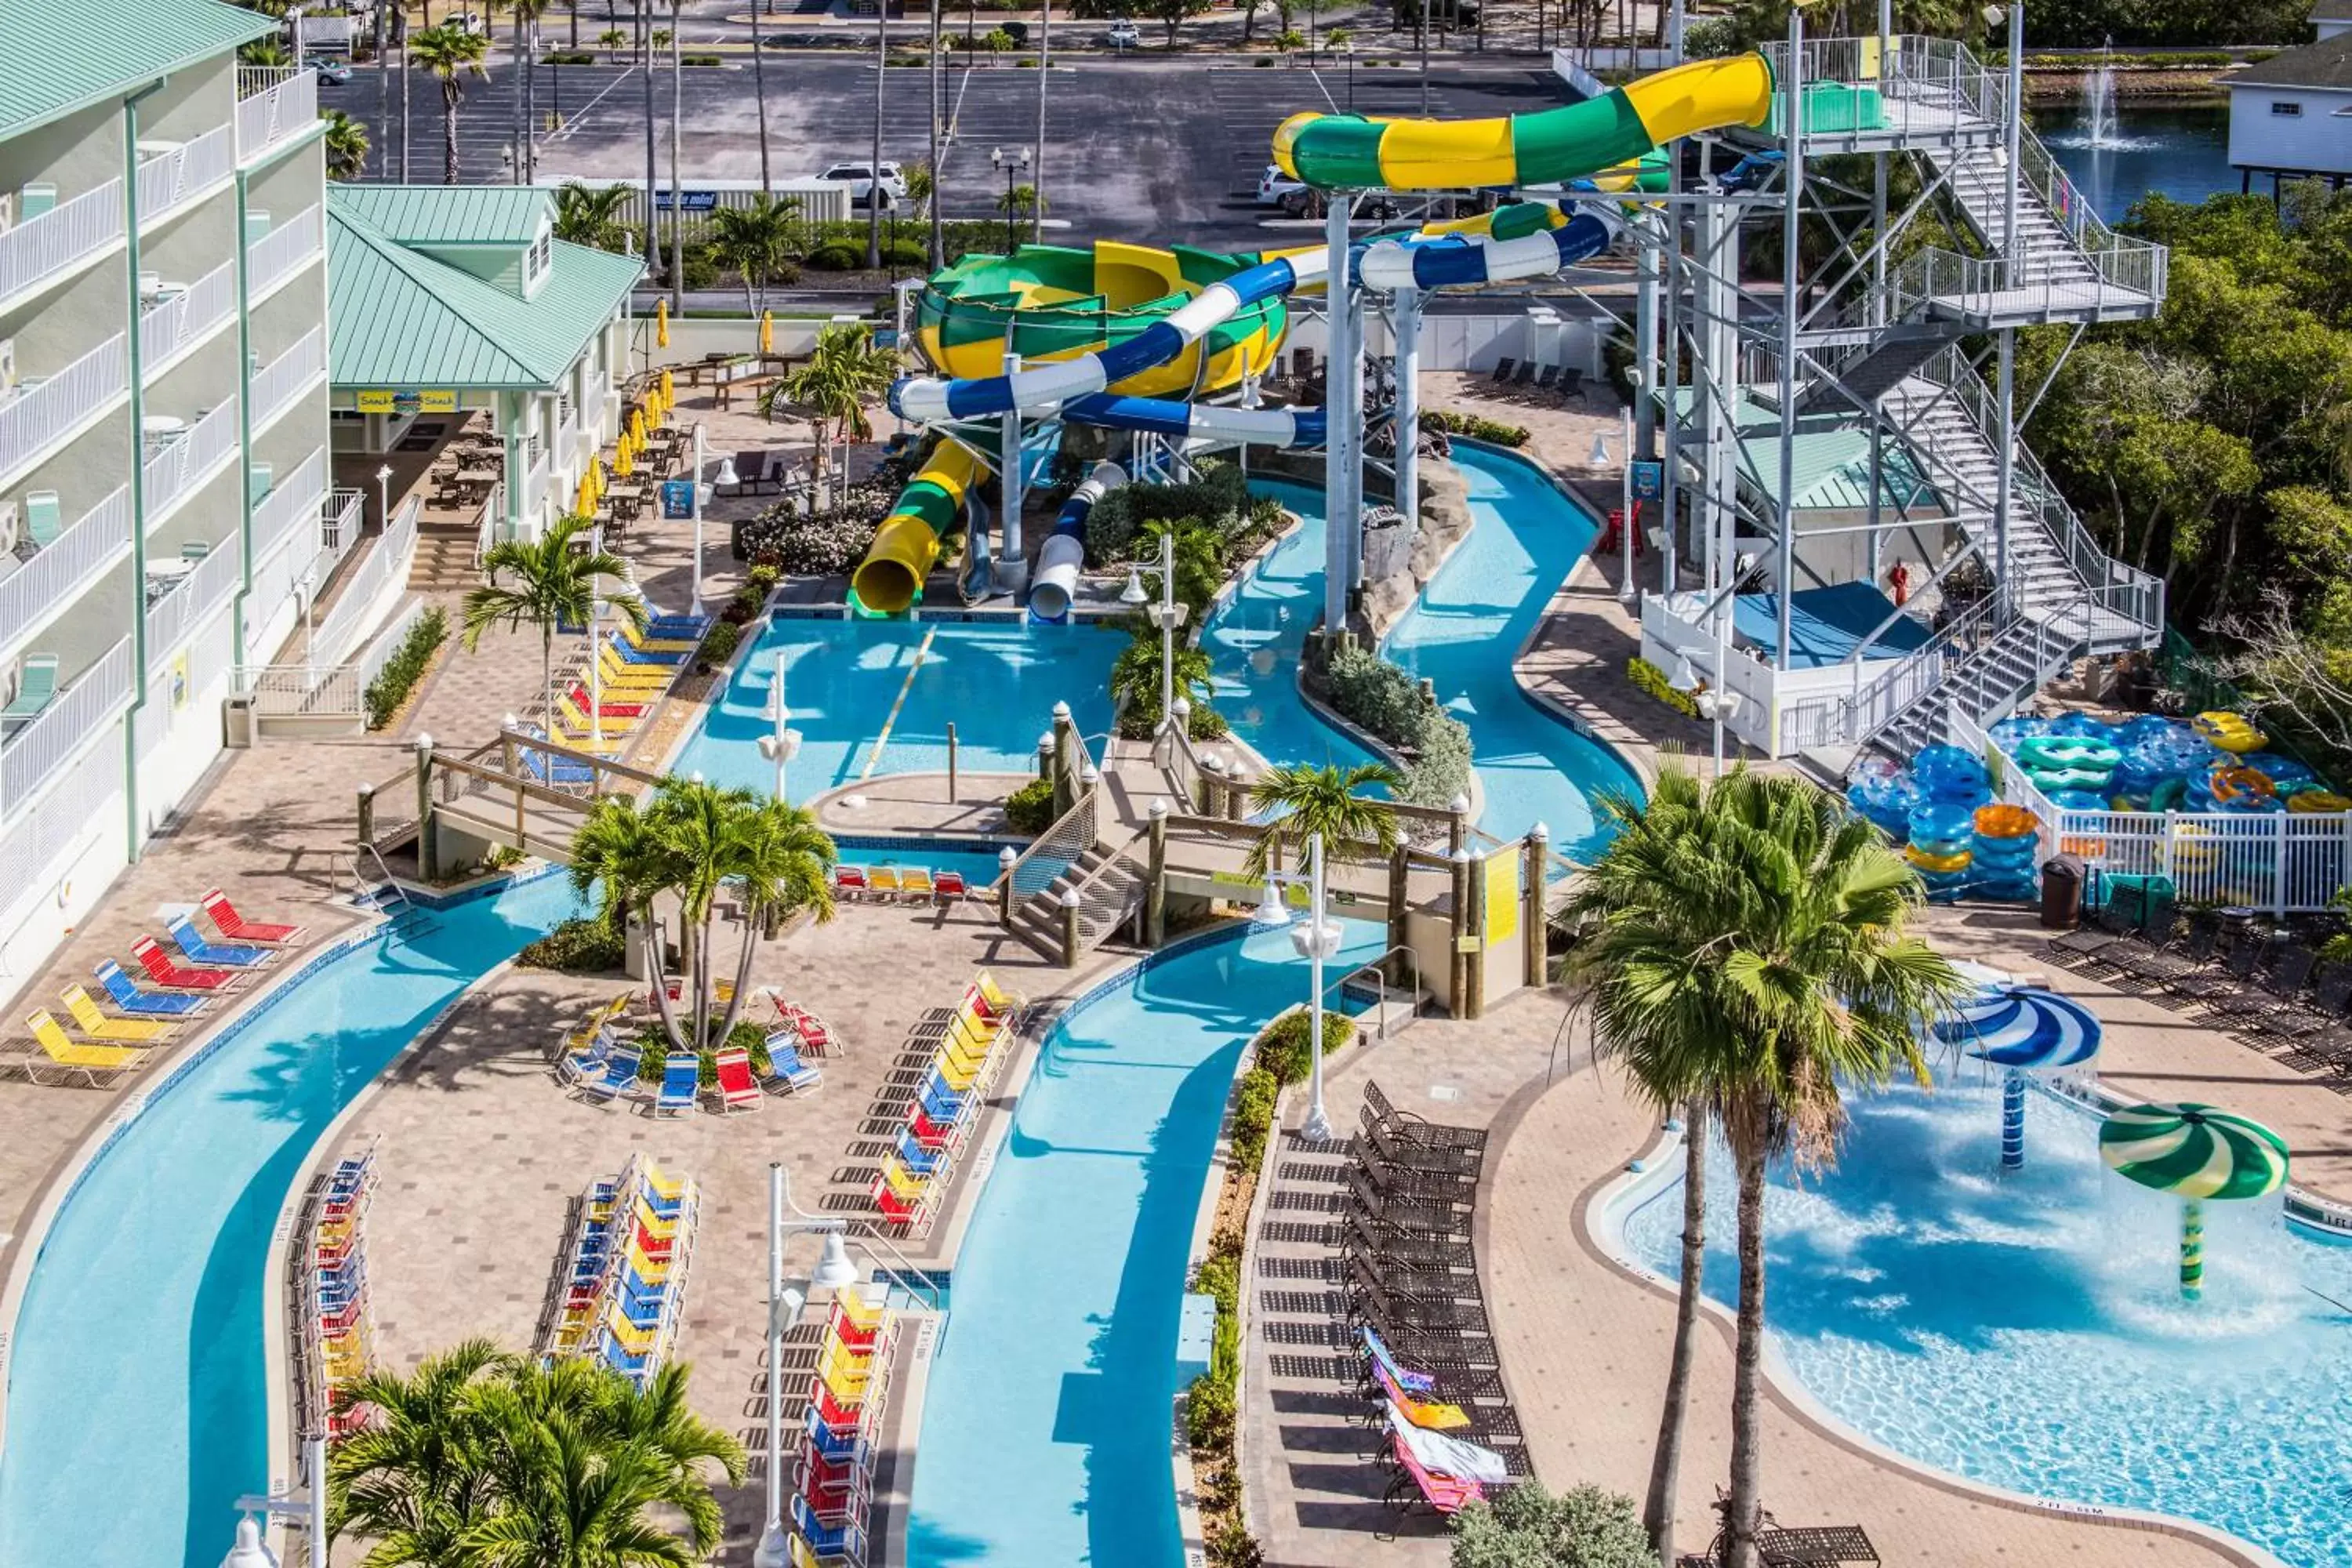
[
  {"x": 1286, "y": 1332},
  {"x": 1299, "y": 1232},
  {"x": 1301, "y": 1171},
  {"x": 1300, "y": 1267},
  {"x": 1317, "y": 1203}
]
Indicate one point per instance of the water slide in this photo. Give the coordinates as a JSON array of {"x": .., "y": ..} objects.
[{"x": 1065, "y": 549}]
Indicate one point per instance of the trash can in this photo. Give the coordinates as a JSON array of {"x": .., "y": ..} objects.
[{"x": 2062, "y": 893}]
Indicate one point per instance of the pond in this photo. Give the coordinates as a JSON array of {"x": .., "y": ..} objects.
[{"x": 2182, "y": 150}]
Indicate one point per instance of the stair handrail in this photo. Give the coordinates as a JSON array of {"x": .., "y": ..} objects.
[
  {"x": 1067, "y": 838},
  {"x": 1937, "y": 651},
  {"x": 1091, "y": 928}
]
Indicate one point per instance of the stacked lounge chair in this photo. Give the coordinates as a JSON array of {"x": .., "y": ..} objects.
[
  {"x": 952, "y": 1062},
  {"x": 578, "y": 1292},
  {"x": 338, "y": 1332},
  {"x": 599, "y": 709},
  {"x": 625, "y": 1285},
  {"x": 833, "y": 1492}
]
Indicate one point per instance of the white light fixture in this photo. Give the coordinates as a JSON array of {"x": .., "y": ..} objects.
[
  {"x": 835, "y": 1271},
  {"x": 1684, "y": 678},
  {"x": 1133, "y": 594},
  {"x": 383, "y": 473},
  {"x": 1601, "y": 451},
  {"x": 248, "y": 1552},
  {"x": 726, "y": 474},
  {"x": 1181, "y": 709},
  {"x": 1310, "y": 940},
  {"x": 1272, "y": 913}
]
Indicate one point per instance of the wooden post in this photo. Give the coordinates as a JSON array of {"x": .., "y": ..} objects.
[
  {"x": 1073, "y": 939},
  {"x": 1531, "y": 916},
  {"x": 1457, "y": 968},
  {"x": 1474, "y": 963},
  {"x": 1457, "y": 829},
  {"x": 1155, "y": 898},
  {"x": 951, "y": 763},
  {"x": 1400, "y": 892},
  {"x": 1213, "y": 794},
  {"x": 367, "y": 814},
  {"x": 427, "y": 840},
  {"x": 1236, "y": 793},
  {"x": 1045, "y": 759},
  {"x": 1066, "y": 765},
  {"x": 1004, "y": 859}
]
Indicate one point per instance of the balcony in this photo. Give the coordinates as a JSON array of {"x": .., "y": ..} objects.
[
  {"x": 45, "y": 412},
  {"x": 273, "y": 106},
  {"x": 275, "y": 386},
  {"x": 184, "y": 316},
  {"x": 60, "y": 571},
  {"x": 340, "y": 516},
  {"x": 182, "y": 596},
  {"x": 173, "y": 176},
  {"x": 32, "y": 755},
  {"x": 284, "y": 252},
  {"x": 48, "y": 246},
  {"x": 178, "y": 468},
  {"x": 292, "y": 501}
]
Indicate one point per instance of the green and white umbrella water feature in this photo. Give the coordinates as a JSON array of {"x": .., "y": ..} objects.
[{"x": 2200, "y": 1152}]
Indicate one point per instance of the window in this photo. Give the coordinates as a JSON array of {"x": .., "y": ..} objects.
[
  {"x": 2286, "y": 107},
  {"x": 542, "y": 253}
]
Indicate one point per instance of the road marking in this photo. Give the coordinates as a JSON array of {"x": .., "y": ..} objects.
[{"x": 882, "y": 739}]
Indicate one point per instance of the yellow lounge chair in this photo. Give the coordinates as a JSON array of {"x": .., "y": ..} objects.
[
  {"x": 905, "y": 1186},
  {"x": 670, "y": 1187},
  {"x": 1002, "y": 1000},
  {"x": 845, "y": 1361},
  {"x": 865, "y": 1316},
  {"x": 99, "y": 1027},
  {"x": 849, "y": 1393},
  {"x": 574, "y": 720},
  {"x": 885, "y": 882},
  {"x": 615, "y": 671},
  {"x": 612, "y": 746},
  {"x": 915, "y": 882},
  {"x": 72, "y": 1055},
  {"x": 644, "y": 644}
]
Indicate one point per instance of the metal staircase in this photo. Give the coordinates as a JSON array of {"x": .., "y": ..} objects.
[
  {"x": 1110, "y": 888},
  {"x": 1977, "y": 178},
  {"x": 1985, "y": 677}
]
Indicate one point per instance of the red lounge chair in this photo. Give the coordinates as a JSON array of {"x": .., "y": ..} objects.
[
  {"x": 947, "y": 885},
  {"x": 895, "y": 1210},
  {"x": 164, "y": 971},
  {"x": 1442, "y": 1493},
  {"x": 930, "y": 1134},
  {"x": 735, "y": 1084},
  {"x": 234, "y": 926},
  {"x": 608, "y": 709},
  {"x": 817, "y": 1040},
  {"x": 850, "y": 880},
  {"x": 835, "y": 1416}
]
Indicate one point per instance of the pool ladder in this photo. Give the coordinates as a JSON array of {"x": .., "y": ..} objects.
[{"x": 405, "y": 917}]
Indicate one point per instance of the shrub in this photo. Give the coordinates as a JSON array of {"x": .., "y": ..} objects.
[
  {"x": 1476, "y": 425},
  {"x": 698, "y": 60},
  {"x": 765, "y": 578},
  {"x": 1030, "y": 808},
  {"x": 401, "y": 673},
  {"x": 906, "y": 252},
  {"x": 1649, "y": 678},
  {"x": 1208, "y": 1410},
  {"x": 718, "y": 646},
  {"x": 830, "y": 542},
  {"x": 746, "y": 603},
  {"x": 590, "y": 944},
  {"x": 1253, "y": 1100},
  {"x": 568, "y": 57},
  {"x": 1282, "y": 1048},
  {"x": 837, "y": 256},
  {"x": 1368, "y": 690},
  {"x": 1219, "y": 499},
  {"x": 1584, "y": 1526}
]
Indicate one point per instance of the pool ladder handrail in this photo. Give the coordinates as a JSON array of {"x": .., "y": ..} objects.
[
  {"x": 1379, "y": 978},
  {"x": 914, "y": 1280}
]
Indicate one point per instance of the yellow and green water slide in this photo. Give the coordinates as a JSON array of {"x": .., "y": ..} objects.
[{"x": 1347, "y": 152}]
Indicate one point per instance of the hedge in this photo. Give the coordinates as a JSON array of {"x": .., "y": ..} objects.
[
  {"x": 1368, "y": 690},
  {"x": 407, "y": 665}
]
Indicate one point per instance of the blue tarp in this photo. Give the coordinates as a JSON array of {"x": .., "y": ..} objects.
[{"x": 1825, "y": 624}]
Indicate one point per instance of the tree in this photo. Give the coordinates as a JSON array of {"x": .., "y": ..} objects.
[
  {"x": 346, "y": 143},
  {"x": 410, "y": 1478},
  {"x": 754, "y": 240},
  {"x": 1749, "y": 950},
  {"x": 676, "y": 131},
  {"x": 1134, "y": 679},
  {"x": 526, "y": 16},
  {"x": 449, "y": 54},
  {"x": 1288, "y": 41},
  {"x": 844, "y": 370},
  {"x": 612, "y": 39},
  {"x": 1172, "y": 13},
  {"x": 545, "y": 583},
  {"x": 1306, "y": 800},
  {"x": 266, "y": 54},
  {"x": 760, "y": 91},
  {"x": 1526, "y": 1527},
  {"x": 587, "y": 216},
  {"x": 1020, "y": 201}
]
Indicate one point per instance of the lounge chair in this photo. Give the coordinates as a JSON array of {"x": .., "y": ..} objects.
[
  {"x": 673, "y": 650},
  {"x": 1502, "y": 369},
  {"x": 948, "y": 887},
  {"x": 620, "y": 1074},
  {"x": 36, "y": 690},
  {"x": 785, "y": 1068},
  {"x": 849, "y": 881},
  {"x": 1417, "y": 1485},
  {"x": 606, "y": 708},
  {"x": 920, "y": 1159},
  {"x": 1572, "y": 384},
  {"x": 214, "y": 955},
  {"x": 815, "y": 1037},
  {"x": 1526, "y": 373},
  {"x": 735, "y": 1089},
  {"x": 616, "y": 671},
  {"x": 126, "y": 995},
  {"x": 678, "y": 627},
  {"x": 236, "y": 928},
  {"x": 827, "y": 1541},
  {"x": 681, "y": 1079},
  {"x": 163, "y": 972},
  {"x": 92, "y": 1064},
  {"x": 885, "y": 881},
  {"x": 91, "y": 1021},
  {"x": 915, "y": 882},
  {"x": 1545, "y": 376}
]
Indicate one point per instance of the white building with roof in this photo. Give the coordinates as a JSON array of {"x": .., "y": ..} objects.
[{"x": 2291, "y": 115}]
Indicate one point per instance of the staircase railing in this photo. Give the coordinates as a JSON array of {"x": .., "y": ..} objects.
[
  {"x": 1100, "y": 916},
  {"x": 1918, "y": 674},
  {"x": 1057, "y": 848}
]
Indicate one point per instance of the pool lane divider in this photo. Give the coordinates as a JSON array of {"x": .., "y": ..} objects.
[{"x": 874, "y": 758}]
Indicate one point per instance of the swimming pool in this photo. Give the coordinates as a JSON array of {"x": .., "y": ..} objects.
[
  {"x": 1044, "y": 1437},
  {"x": 996, "y": 681},
  {"x": 2026, "y": 1329},
  {"x": 136, "y": 1370}
]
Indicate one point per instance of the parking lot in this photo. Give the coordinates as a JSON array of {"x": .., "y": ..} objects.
[{"x": 1140, "y": 148}]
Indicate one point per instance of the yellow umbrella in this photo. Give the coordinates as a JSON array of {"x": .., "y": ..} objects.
[
  {"x": 586, "y": 502},
  {"x": 623, "y": 462},
  {"x": 767, "y": 332},
  {"x": 661, "y": 324},
  {"x": 637, "y": 424},
  {"x": 669, "y": 389}
]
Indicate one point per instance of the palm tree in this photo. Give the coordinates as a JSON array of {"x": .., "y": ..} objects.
[
  {"x": 760, "y": 95},
  {"x": 586, "y": 216},
  {"x": 551, "y": 583},
  {"x": 1751, "y": 954},
  {"x": 677, "y": 195},
  {"x": 922, "y": 190},
  {"x": 450, "y": 54},
  {"x": 266, "y": 53},
  {"x": 1021, "y": 202},
  {"x": 1135, "y": 680},
  {"x": 845, "y": 369},
  {"x": 612, "y": 39},
  {"x": 526, "y": 13},
  {"x": 346, "y": 145},
  {"x": 755, "y": 241},
  {"x": 617, "y": 854},
  {"x": 410, "y": 1478},
  {"x": 1306, "y": 801}
]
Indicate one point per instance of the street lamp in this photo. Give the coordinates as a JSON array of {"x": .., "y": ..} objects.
[
  {"x": 1316, "y": 940},
  {"x": 784, "y": 744},
  {"x": 1715, "y": 704},
  {"x": 1014, "y": 161},
  {"x": 294, "y": 20},
  {"x": 249, "y": 1550},
  {"x": 834, "y": 1271},
  {"x": 725, "y": 476},
  {"x": 1625, "y": 589},
  {"x": 1347, "y": 47},
  {"x": 1166, "y": 614},
  {"x": 382, "y": 498}
]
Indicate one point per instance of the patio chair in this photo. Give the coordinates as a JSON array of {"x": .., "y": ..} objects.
[
  {"x": 619, "y": 1076},
  {"x": 2331, "y": 994},
  {"x": 1371, "y": 1301},
  {"x": 70, "y": 1057},
  {"x": 785, "y": 1068},
  {"x": 1503, "y": 367},
  {"x": 2110, "y": 923},
  {"x": 1405, "y": 1181},
  {"x": 827, "y": 1543},
  {"x": 646, "y": 642},
  {"x": 816, "y": 1038},
  {"x": 2275, "y": 990},
  {"x": 1394, "y": 1151},
  {"x": 885, "y": 881},
  {"x": 2236, "y": 970},
  {"x": 1545, "y": 376},
  {"x": 915, "y": 882},
  {"x": 163, "y": 972},
  {"x": 91, "y": 1021},
  {"x": 617, "y": 671},
  {"x": 849, "y": 881},
  {"x": 44, "y": 518},
  {"x": 236, "y": 928},
  {"x": 1417, "y": 1250},
  {"x": 948, "y": 888},
  {"x": 1572, "y": 384},
  {"x": 1526, "y": 374},
  {"x": 580, "y": 696},
  {"x": 681, "y": 1079},
  {"x": 750, "y": 471},
  {"x": 125, "y": 994},
  {"x": 1413, "y": 1215},
  {"x": 2184, "y": 954},
  {"x": 1417, "y": 1487},
  {"x": 631, "y": 651},
  {"x": 1412, "y": 1128},
  {"x": 36, "y": 687},
  {"x": 920, "y": 1158}
]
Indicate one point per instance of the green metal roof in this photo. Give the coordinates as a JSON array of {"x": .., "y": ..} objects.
[
  {"x": 1829, "y": 461},
  {"x": 397, "y": 318},
  {"x": 58, "y": 58},
  {"x": 451, "y": 215}
]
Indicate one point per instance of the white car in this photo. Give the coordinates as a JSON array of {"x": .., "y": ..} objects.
[
  {"x": 1124, "y": 36},
  {"x": 468, "y": 22},
  {"x": 859, "y": 178},
  {"x": 1273, "y": 185}
]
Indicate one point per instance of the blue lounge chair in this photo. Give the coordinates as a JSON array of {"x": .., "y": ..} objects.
[
  {"x": 676, "y": 628},
  {"x": 641, "y": 1303},
  {"x": 918, "y": 1160},
  {"x": 682, "y": 1078},
  {"x": 128, "y": 996},
  {"x": 620, "y": 1074},
  {"x": 827, "y": 1540},
  {"x": 554, "y": 770},
  {"x": 830, "y": 1446},
  {"x": 632, "y": 654},
  {"x": 939, "y": 1102},
  {"x": 784, "y": 1064},
  {"x": 212, "y": 955},
  {"x": 36, "y": 690},
  {"x": 635, "y": 1368}
]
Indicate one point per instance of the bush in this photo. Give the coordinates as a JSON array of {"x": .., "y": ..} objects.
[
  {"x": 1208, "y": 1410},
  {"x": 1368, "y": 690},
  {"x": 765, "y": 578},
  {"x": 1649, "y": 678},
  {"x": 819, "y": 546},
  {"x": 718, "y": 646},
  {"x": 1218, "y": 499},
  {"x": 591, "y": 944},
  {"x": 1477, "y": 426},
  {"x": 568, "y": 57},
  {"x": 1253, "y": 1100},
  {"x": 906, "y": 252},
  {"x": 1282, "y": 1049},
  {"x": 837, "y": 256},
  {"x": 745, "y": 606},
  {"x": 401, "y": 673},
  {"x": 1583, "y": 1527},
  {"x": 696, "y": 59},
  {"x": 1030, "y": 808}
]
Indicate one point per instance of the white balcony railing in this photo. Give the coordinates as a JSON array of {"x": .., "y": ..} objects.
[
  {"x": 337, "y": 632},
  {"x": 169, "y": 179},
  {"x": 290, "y": 500},
  {"x": 174, "y": 471},
  {"x": 196, "y": 599},
  {"x": 178, "y": 323},
  {"x": 534, "y": 489},
  {"x": 41, "y": 247},
  {"x": 277, "y": 384},
  {"x": 273, "y": 110},
  {"x": 284, "y": 250},
  {"x": 31, "y": 753},
  {"x": 43, "y": 411},
  {"x": 340, "y": 516},
  {"x": 60, "y": 570}
]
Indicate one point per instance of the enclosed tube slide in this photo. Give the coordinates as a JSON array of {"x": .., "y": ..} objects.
[
  {"x": 1059, "y": 558},
  {"x": 908, "y": 543},
  {"x": 1346, "y": 151}
]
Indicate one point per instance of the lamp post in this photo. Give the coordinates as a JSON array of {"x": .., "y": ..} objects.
[
  {"x": 1626, "y": 591},
  {"x": 1166, "y": 614},
  {"x": 725, "y": 476},
  {"x": 596, "y": 608},
  {"x": 1715, "y": 705},
  {"x": 249, "y": 1550},
  {"x": 1347, "y": 47},
  {"x": 784, "y": 743},
  {"x": 835, "y": 1271},
  {"x": 382, "y": 498},
  {"x": 1316, "y": 940},
  {"x": 294, "y": 20},
  {"x": 1012, "y": 161}
]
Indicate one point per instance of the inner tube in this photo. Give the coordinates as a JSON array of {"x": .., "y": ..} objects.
[
  {"x": 2048, "y": 779},
  {"x": 2168, "y": 794},
  {"x": 2005, "y": 821},
  {"x": 2236, "y": 783},
  {"x": 2318, "y": 800},
  {"x": 1956, "y": 862},
  {"x": 2068, "y": 752},
  {"x": 2230, "y": 731}
]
